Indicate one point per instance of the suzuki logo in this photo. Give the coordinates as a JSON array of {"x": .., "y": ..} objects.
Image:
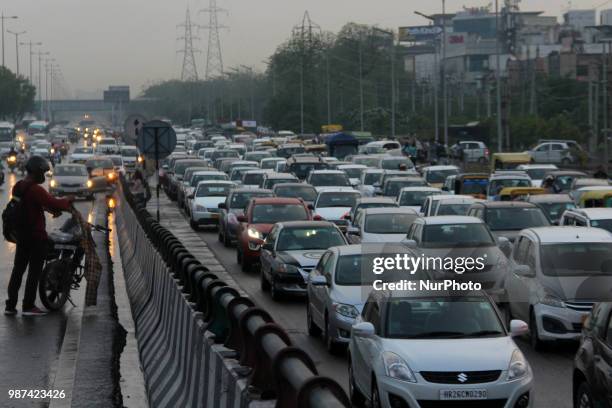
[{"x": 462, "y": 377}]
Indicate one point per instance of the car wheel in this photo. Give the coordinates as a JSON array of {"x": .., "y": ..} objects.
[
  {"x": 244, "y": 265},
  {"x": 534, "y": 338},
  {"x": 583, "y": 397},
  {"x": 274, "y": 292},
  {"x": 227, "y": 242},
  {"x": 375, "y": 398},
  {"x": 332, "y": 346},
  {"x": 220, "y": 235},
  {"x": 263, "y": 282},
  {"x": 193, "y": 225},
  {"x": 313, "y": 329},
  {"x": 357, "y": 398}
]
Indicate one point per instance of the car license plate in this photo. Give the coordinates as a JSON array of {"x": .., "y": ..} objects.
[{"x": 463, "y": 394}]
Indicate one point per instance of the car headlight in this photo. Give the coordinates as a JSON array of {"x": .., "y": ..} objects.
[
  {"x": 288, "y": 268},
  {"x": 89, "y": 184},
  {"x": 396, "y": 367},
  {"x": 53, "y": 183},
  {"x": 200, "y": 208},
  {"x": 111, "y": 176},
  {"x": 349, "y": 311},
  {"x": 518, "y": 366},
  {"x": 553, "y": 301},
  {"x": 254, "y": 233},
  {"x": 140, "y": 159}
]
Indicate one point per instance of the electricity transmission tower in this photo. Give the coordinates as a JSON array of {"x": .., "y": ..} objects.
[
  {"x": 214, "y": 57},
  {"x": 190, "y": 70}
]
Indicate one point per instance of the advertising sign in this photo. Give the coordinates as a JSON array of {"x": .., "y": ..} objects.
[{"x": 419, "y": 33}]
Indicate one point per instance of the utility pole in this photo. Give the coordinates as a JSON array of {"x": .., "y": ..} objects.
[
  {"x": 498, "y": 80},
  {"x": 436, "y": 77},
  {"x": 16, "y": 34},
  {"x": 444, "y": 84},
  {"x": 360, "y": 83},
  {"x": 31, "y": 44},
  {"x": 40, "y": 95},
  {"x": 605, "y": 110},
  {"x": 189, "y": 71},
  {"x": 252, "y": 99},
  {"x": 2, "y": 18},
  {"x": 214, "y": 57},
  {"x": 329, "y": 120},
  {"x": 532, "y": 97},
  {"x": 392, "y": 57}
]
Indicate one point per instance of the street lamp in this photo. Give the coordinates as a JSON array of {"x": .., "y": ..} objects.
[
  {"x": 31, "y": 44},
  {"x": 16, "y": 34},
  {"x": 391, "y": 34},
  {"x": 2, "y": 18}
]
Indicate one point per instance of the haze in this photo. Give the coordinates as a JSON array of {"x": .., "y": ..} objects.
[{"x": 134, "y": 42}]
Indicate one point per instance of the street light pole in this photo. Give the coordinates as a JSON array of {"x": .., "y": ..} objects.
[
  {"x": 498, "y": 80},
  {"x": 2, "y": 18},
  {"x": 40, "y": 100},
  {"x": 444, "y": 84},
  {"x": 16, "y": 34},
  {"x": 31, "y": 44}
]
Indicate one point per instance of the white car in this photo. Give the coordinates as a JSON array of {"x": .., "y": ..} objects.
[
  {"x": 381, "y": 225},
  {"x": 196, "y": 177},
  {"x": 556, "y": 275},
  {"x": 270, "y": 162},
  {"x": 447, "y": 205},
  {"x": 253, "y": 178},
  {"x": 322, "y": 179},
  {"x": 414, "y": 197},
  {"x": 436, "y": 175},
  {"x": 473, "y": 151},
  {"x": 353, "y": 171},
  {"x": 537, "y": 172},
  {"x": 107, "y": 145},
  {"x": 588, "y": 217},
  {"x": 205, "y": 202},
  {"x": 131, "y": 157},
  {"x": 428, "y": 349},
  {"x": 81, "y": 154},
  {"x": 370, "y": 180},
  {"x": 333, "y": 203}
]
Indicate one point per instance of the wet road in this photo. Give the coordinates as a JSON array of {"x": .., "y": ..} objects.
[{"x": 29, "y": 346}]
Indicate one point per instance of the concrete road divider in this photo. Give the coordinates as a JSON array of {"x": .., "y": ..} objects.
[{"x": 201, "y": 343}]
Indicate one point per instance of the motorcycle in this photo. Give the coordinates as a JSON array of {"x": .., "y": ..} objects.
[
  {"x": 11, "y": 161},
  {"x": 63, "y": 270}
]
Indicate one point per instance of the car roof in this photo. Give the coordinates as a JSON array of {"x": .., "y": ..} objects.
[
  {"x": 308, "y": 224},
  {"x": 507, "y": 204},
  {"x": 327, "y": 172},
  {"x": 209, "y": 172},
  {"x": 276, "y": 200},
  {"x": 402, "y": 178},
  {"x": 451, "y": 219},
  {"x": 379, "y": 200},
  {"x": 420, "y": 188},
  {"x": 296, "y": 184},
  {"x": 251, "y": 190},
  {"x": 337, "y": 190},
  {"x": 447, "y": 197},
  {"x": 506, "y": 176},
  {"x": 570, "y": 234},
  {"x": 594, "y": 213},
  {"x": 258, "y": 171},
  {"x": 550, "y": 198},
  {"x": 352, "y": 166},
  {"x": 389, "y": 210},
  {"x": 440, "y": 167},
  {"x": 280, "y": 176},
  {"x": 70, "y": 165},
  {"x": 216, "y": 182},
  {"x": 416, "y": 294},
  {"x": 566, "y": 173},
  {"x": 536, "y": 166}
]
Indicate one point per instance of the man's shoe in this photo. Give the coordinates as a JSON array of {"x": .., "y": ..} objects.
[
  {"x": 10, "y": 311},
  {"x": 34, "y": 311}
]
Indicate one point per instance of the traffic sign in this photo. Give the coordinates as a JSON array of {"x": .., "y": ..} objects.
[
  {"x": 132, "y": 126},
  {"x": 156, "y": 140}
]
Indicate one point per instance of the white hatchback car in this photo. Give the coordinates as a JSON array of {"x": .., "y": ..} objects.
[
  {"x": 205, "y": 203},
  {"x": 381, "y": 225},
  {"x": 433, "y": 349}
]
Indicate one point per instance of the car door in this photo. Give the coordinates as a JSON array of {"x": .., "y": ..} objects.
[
  {"x": 603, "y": 364},
  {"x": 362, "y": 361},
  {"x": 541, "y": 153},
  {"x": 517, "y": 286},
  {"x": 267, "y": 255},
  {"x": 356, "y": 238},
  {"x": 319, "y": 293},
  {"x": 556, "y": 152}
]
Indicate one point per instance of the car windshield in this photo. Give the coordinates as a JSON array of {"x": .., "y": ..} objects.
[
  {"x": 257, "y": 156},
  {"x": 270, "y": 183},
  {"x": 415, "y": 198},
  {"x": 515, "y": 219},
  {"x": 195, "y": 179},
  {"x": 289, "y": 151},
  {"x": 100, "y": 164},
  {"x": 438, "y": 176},
  {"x": 367, "y": 161},
  {"x": 117, "y": 161},
  {"x": 273, "y": 213},
  {"x": 393, "y": 187},
  {"x": 213, "y": 190},
  {"x": 495, "y": 186},
  {"x": 269, "y": 164},
  {"x": 129, "y": 152},
  {"x": 83, "y": 150},
  {"x": 388, "y": 223},
  {"x": 301, "y": 170},
  {"x": 452, "y": 208},
  {"x": 300, "y": 239},
  {"x": 442, "y": 317},
  {"x": 474, "y": 186},
  {"x": 326, "y": 179},
  {"x": 180, "y": 167},
  {"x": 537, "y": 174},
  {"x": 577, "y": 259},
  {"x": 564, "y": 183},
  {"x": 252, "y": 179},
  {"x": 306, "y": 193},
  {"x": 337, "y": 200},
  {"x": 554, "y": 210},
  {"x": 69, "y": 171},
  {"x": 353, "y": 172},
  {"x": 603, "y": 224},
  {"x": 456, "y": 235},
  {"x": 372, "y": 178},
  {"x": 394, "y": 164},
  {"x": 240, "y": 200},
  {"x": 217, "y": 154}
]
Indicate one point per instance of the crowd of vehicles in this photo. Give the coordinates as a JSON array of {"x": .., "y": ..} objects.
[{"x": 304, "y": 221}]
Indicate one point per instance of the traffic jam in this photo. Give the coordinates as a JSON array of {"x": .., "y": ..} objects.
[{"x": 312, "y": 218}]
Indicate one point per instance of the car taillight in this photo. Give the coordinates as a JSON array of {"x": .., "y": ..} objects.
[{"x": 486, "y": 152}]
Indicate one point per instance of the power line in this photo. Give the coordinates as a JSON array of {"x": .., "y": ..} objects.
[
  {"x": 189, "y": 71},
  {"x": 214, "y": 57}
]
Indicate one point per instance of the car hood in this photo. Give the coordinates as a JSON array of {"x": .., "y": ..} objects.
[
  {"x": 352, "y": 295},
  {"x": 510, "y": 234},
  {"x": 381, "y": 238},
  {"x": 580, "y": 288},
  {"x": 263, "y": 228},
  {"x": 473, "y": 354},
  {"x": 306, "y": 258},
  {"x": 209, "y": 202},
  {"x": 332, "y": 213}
]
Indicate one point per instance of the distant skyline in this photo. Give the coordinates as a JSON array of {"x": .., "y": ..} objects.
[{"x": 134, "y": 42}]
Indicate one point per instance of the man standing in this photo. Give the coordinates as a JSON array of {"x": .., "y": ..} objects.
[{"x": 32, "y": 241}]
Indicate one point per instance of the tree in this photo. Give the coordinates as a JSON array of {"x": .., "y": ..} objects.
[{"x": 16, "y": 95}]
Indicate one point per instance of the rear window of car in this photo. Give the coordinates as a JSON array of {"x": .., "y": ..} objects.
[
  {"x": 69, "y": 171},
  {"x": 273, "y": 213},
  {"x": 100, "y": 164}
]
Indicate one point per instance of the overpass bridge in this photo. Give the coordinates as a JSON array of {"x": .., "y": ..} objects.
[{"x": 73, "y": 109}]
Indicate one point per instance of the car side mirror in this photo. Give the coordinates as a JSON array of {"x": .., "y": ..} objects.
[
  {"x": 524, "y": 270},
  {"x": 363, "y": 329},
  {"x": 222, "y": 206},
  {"x": 410, "y": 243},
  {"x": 318, "y": 280},
  {"x": 241, "y": 218},
  {"x": 191, "y": 196},
  {"x": 353, "y": 231},
  {"x": 505, "y": 246},
  {"x": 518, "y": 328}
]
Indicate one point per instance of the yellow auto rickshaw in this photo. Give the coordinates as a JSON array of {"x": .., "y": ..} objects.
[
  {"x": 317, "y": 149},
  {"x": 473, "y": 184},
  {"x": 509, "y": 161},
  {"x": 598, "y": 198},
  {"x": 517, "y": 193}
]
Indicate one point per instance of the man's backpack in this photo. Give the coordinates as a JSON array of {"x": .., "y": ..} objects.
[{"x": 13, "y": 217}]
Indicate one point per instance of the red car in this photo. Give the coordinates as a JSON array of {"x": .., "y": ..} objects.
[{"x": 259, "y": 217}]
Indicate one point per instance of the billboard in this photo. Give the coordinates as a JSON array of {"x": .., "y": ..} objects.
[
  {"x": 116, "y": 94},
  {"x": 419, "y": 33}
]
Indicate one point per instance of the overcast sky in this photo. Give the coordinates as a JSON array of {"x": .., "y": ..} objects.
[{"x": 133, "y": 42}]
